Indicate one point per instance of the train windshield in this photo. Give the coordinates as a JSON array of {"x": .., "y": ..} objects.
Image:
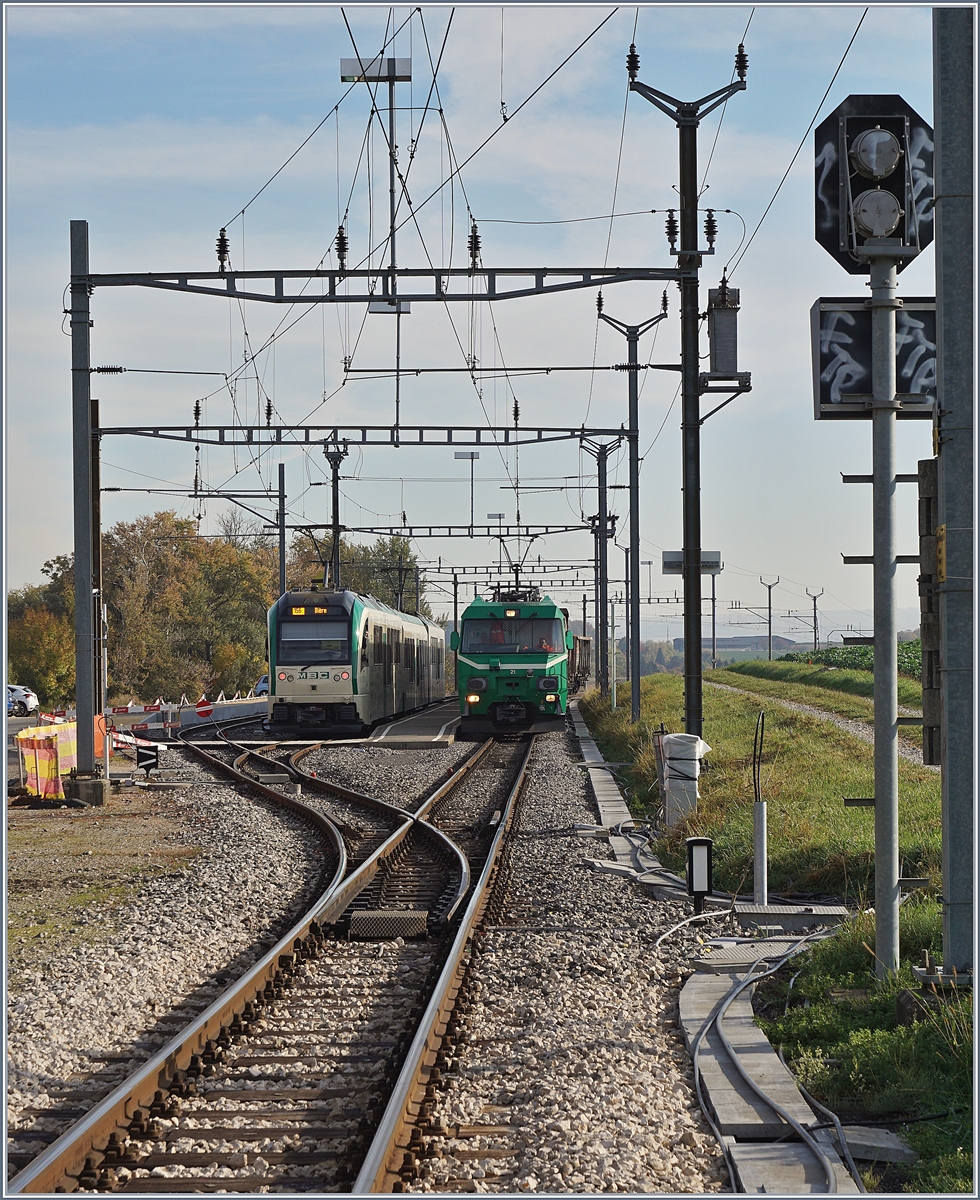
[
  {"x": 306, "y": 643},
  {"x": 512, "y": 635}
]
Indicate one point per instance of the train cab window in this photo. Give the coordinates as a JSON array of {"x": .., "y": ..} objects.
[
  {"x": 308, "y": 643},
  {"x": 512, "y": 635}
]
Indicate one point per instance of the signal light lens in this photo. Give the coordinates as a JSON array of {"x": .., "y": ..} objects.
[
  {"x": 345, "y": 674},
  {"x": 282, "y": 674},
  {"x": 473, "y": 699}
]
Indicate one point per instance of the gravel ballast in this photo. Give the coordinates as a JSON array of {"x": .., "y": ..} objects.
[
  {"x": 572, "y": 1044},
  {"x": 395, "y": 776},
  {"x": 177, "y": 943}
]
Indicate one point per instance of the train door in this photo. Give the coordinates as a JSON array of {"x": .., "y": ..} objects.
[
  {"x": 376, "y": 676},
  {"x": 389, "y": 671}
]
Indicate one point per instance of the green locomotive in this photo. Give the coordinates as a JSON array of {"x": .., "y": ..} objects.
[{"x": 512, "y": 664}]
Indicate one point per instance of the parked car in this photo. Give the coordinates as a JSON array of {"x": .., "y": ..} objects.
[
  {"x": 10, "y": 704},
  {"x": 262, "y": 687},
  {"x": 24, "y": 701}
]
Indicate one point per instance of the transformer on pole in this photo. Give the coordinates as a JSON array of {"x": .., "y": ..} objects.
[{"x": 687, "y": 115}]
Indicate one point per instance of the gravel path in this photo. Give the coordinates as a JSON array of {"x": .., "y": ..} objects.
[
  {"x": 571, "y": 1041},
  {"x": 856, "y": 728},
  {"x": 183, "y": 938}
]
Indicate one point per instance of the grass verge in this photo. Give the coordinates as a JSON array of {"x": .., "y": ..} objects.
[
  {"x": 837, "y": 1026},
  {"x": 839, "y": 692},
  {"x": 832, "y": 679},
  {"x": 816, "y": 845}
]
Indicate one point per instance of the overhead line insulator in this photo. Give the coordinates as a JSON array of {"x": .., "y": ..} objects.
[
  {"x": 741, "y": 62},
  {"x": 473, "y": 245},
  {"x": 340, "y": 246},
  {"x": 223, "y": 247},
  {"x": 671, "y": 228},
  {"x": 710, "y": 226},
  {"x": 633, "y": 62}
]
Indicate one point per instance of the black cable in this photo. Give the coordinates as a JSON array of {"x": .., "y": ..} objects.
[
  {"x": 510, "y": 118},
  {"x": 241, "y": 211},
  {"x": 800, "y": 146}
]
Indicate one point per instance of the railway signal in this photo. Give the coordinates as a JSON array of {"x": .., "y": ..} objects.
[
  {"x": 874, "y": 193},
  {"x": 147, "y": 758}
]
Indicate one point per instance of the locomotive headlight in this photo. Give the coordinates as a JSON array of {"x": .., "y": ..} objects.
[
  {"x": 551, "y": 698},
  {"x": 477, "y": 684},
  {"x": 282, "y": 674},
  {"x": 547, "y": 683},
  {"x": 345, "y": 674},
  {"x": 473, "y": 699}
]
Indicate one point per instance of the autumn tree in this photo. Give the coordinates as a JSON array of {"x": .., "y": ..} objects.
[{"x": 41, "y": 654}]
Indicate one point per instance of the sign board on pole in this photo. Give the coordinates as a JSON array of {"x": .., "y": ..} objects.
[
  {"x": 673, "y": 562},
  {"x": 203, "y": 708},
  {"x": 874, "y": 178},
  {"x": 147, "y": 758},
  {"x": 840, "y": 338}
]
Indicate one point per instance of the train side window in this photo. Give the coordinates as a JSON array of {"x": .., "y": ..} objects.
[
  {"x": 364, "y": 646},
  {"x": 378, "y": 651}
]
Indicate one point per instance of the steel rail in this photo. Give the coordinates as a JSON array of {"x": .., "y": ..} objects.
[
  {"x": 57, "y": 1166},
  {"x": 382, "y": 1163}
]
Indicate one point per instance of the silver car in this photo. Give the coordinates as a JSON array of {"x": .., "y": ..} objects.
[{"x": 24, "y": 701}]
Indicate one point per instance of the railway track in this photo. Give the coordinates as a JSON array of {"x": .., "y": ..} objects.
[{"x": 312, "y": 1070}]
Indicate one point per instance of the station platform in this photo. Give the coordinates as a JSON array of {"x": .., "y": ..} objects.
[{"x": 433, "y": 728}]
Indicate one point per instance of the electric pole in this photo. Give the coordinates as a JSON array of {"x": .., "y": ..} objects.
[
  {"x": 687, "y": 116},
  {"x": 769, "y": 587},
  {"x": 282, "y": 528},
  {"x": 815, "y": 596},
  {"x": 633, "y": 333},
  {"x": 335, "y": 457}
]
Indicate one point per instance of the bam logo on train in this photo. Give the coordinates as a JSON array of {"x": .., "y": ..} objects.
[{"x": 512, "y": 665}]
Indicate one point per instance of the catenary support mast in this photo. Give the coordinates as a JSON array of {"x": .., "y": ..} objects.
[
  {"x": 954, "y": 37},
  {"x": 86, "y": 584},
  {"x": 687, "y": 116}
]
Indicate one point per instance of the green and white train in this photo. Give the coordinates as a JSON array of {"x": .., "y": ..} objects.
[{"x": 343, "y": 662}]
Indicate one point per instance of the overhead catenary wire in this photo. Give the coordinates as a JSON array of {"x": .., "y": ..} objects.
[
  {"x": 796, "y": 154},
  {"x": 486, "y": 141}
]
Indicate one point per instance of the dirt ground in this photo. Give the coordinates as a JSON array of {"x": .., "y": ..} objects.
[{"x": 68, "y": 869}]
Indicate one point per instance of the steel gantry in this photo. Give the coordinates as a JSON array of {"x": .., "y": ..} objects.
[{"x": 277, "y": 286}]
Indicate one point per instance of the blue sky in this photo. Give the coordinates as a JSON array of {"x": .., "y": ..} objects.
[{"x": 156, "y": 124}]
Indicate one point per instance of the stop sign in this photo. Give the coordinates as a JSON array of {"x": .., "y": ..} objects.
[{"x": 204, "y": 708}]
